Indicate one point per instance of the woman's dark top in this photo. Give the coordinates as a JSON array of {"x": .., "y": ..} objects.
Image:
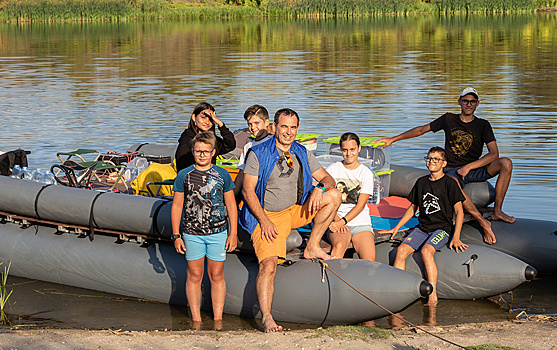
[{"x": 184, "y": 156}]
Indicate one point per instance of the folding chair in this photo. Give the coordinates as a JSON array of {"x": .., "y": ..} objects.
[
  {"x": 81, "y": 179},
  {"x": 87, "y": 170},
  {"x": 78, "y": 153}
]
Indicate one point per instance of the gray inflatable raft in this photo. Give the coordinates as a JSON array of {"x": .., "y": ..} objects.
[
  {"x": 157, "y": 272},
  {"x": 532, "y": 241},
  {"x": 478, "y": 272}
]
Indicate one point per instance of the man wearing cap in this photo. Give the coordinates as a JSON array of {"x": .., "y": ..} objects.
[{"x": 465, "y": 135}]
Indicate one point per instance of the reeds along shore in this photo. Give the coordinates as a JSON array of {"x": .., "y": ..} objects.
[{"x": 111, "y": 10}]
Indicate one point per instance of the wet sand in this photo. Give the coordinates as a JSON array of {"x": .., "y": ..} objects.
[{"x": 536, "y": 334}]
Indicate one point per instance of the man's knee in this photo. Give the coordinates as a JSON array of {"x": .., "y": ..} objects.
[
  {"x": 506, "y": 164},
  {"x": 268, "y": 267},
  {"x": 333, "y": 196}
]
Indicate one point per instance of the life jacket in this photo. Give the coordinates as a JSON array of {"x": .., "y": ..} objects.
[{"x": 268, "y": 157}]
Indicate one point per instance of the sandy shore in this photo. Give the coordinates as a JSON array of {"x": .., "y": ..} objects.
[{"x": 540, "y": 334}]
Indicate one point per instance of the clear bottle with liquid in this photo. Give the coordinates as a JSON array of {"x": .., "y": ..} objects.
[
  {"x": 16, "y": 172},
  {"x": 48, "y": 178},
  {"x": 37, "y": 175},
  {"x": 26, "y": 173}
]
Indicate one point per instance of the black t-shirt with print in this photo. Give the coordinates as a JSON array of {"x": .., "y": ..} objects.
[
  {"x": 436, "y": 200},
  {"x": 463, "y": 141}
]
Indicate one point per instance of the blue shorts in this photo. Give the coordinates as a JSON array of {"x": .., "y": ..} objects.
[
  {"x": 418, "y": 238},
  {"x": 360, "y": 228},
  {"x": 475, "y": 175},
  {"x": 213, "y": 246}
]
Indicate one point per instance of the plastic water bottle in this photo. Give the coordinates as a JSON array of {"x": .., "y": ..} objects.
[
  {"x": 37, "y": 175},
  {"x": 26, "y": 173},
  {"x": 375, "y": 198},
  {"x": 16, "y": 172},
  {"x": 48, "y": 178}
]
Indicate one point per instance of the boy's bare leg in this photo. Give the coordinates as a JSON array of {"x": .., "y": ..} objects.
[
  {"x": 195, "y": 272},
  {"x": 503, "y": 167},
  {"x": 489, "y": 236},
  {"x": 403, "y": 252},
  {"x": 215, "y": 270},
  {"x": 430, "y": 272},
  {"x": 265, "y": 285},
  {"x": 321, "y": 221}
]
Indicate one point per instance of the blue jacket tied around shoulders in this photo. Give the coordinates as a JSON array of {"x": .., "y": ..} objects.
[{"x": 268, "y": 156}]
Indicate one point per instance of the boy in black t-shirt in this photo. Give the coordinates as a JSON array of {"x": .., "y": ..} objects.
[
  {"x": 438, "y": 197},
  {"x": 465, "y": 136}
]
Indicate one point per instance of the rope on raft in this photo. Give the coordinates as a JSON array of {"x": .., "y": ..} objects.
[{"x": 325, "y": 266}]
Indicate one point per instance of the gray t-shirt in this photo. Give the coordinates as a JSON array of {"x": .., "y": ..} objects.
[{"x": 281, "y": 191}]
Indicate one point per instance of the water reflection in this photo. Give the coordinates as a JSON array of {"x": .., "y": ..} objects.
[{"x": 110, "y": 85}]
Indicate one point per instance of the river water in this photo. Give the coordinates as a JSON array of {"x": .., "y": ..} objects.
[{"x": 110, "y": 85}]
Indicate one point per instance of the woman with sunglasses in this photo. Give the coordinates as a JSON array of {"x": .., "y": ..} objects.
[
  {"x": 202, "y": 119},
  {"x": 355, "y": 182}
]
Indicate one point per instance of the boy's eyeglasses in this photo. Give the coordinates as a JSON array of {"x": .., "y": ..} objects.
[
  {"x": 432, "y": 160},
  {"x": 469, "y": 102},
  {"x": 202, "y": 153},
  {"x": 289, "y": 160}
]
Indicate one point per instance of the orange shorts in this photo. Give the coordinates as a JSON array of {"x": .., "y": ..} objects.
[{"x": 286, "y": 220}]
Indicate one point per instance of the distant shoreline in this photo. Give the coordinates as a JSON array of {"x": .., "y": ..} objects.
[{"x": 29, "y": 11}]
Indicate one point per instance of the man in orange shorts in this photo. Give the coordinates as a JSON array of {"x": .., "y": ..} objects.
[{"x": 279, "y": 193}]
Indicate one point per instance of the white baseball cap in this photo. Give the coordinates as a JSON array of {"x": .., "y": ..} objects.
[{"x": 469, "y": 90}]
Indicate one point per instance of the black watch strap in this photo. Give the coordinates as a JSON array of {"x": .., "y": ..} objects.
[{"x": 175, "y": 237}]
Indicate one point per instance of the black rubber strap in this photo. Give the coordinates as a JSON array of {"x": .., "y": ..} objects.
[
  {"x": 37, "y": 200},
  {"x": 157, "y": 233},
  {"x": 92, "y": 222},
  {"x": 141, "y": 145}
]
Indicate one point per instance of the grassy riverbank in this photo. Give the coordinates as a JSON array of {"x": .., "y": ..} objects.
[{"x": 110, "y": 10}]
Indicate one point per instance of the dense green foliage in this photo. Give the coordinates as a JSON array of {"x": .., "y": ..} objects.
[{"x": 99, "y": 10}]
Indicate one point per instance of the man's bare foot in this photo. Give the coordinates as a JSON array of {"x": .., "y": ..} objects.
[
  {"x": 503, "y": 217},
  {"x": 489, "y": 236},
  {"x": 269, "y": 325},
  {"x": 217, "y": 326},
  {"x": 432, "y": 301},
  {"x": 316, "y": 253}
]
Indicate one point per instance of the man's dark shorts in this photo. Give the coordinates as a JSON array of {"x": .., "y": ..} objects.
[
  {"x": 475, "y": 175},
  {"x": 418, "y": 238}
]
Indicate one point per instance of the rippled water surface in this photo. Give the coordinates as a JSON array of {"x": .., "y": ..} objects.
[{"x": 110, "y": 85}]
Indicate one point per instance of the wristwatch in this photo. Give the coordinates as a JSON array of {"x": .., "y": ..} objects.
[
  {"x": 321, "y": 186},
  {"x": 175, "y": 237}
]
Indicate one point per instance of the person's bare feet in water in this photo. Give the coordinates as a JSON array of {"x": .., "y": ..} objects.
[
  {"x": 432, "y": 300},
  {"x": 318, "y": 253},
  {"x": 196, "y": 325},
  {"x": 489, "y": 236},
  {"x": 269, "y": 325},
  {"x": 499, "y": 215},
  {"x": 217, "y": 326}
]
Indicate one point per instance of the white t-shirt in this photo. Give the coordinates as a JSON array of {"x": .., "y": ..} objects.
[
  {"x": 252, "y": 142},
  {"x": 351, "y": 183}
]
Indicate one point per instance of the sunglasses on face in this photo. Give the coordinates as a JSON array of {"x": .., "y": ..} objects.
[{"x": 289, "y": 160}]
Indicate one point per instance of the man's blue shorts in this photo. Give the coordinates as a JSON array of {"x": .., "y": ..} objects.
[
  {"x": 418, "y": 238},
  {"x": 475, "y": 175},
  {"x": 213, "y": 246}
]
